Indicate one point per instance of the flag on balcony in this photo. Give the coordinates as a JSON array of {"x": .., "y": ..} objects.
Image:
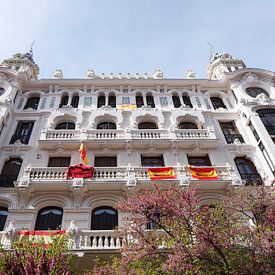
[
  {"x": 161, "y": 173},
  {"x": 126, "y": 106},
  {"x": 203, "y": 173},
  {"x": 82, "y": 150},
  {"x": 40, "y": 236},
  {"x": 79, "y": 171}
]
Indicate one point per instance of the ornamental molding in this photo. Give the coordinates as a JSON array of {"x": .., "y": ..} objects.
[{"x": 8, "y": 80}]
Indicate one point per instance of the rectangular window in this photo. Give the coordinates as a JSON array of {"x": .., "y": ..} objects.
[
  {"x": 208, "y": 107},
  {"x": 198, "y": 101},
  {"x": 254, "y": 131},
  {"x": 88, "y": 100},
  {"x": 105, "y": 162},
  {"x": 20, "y": 103},
  {"x": 52, "y": 102},
  {"x": 267, "y": 158},
  {"x": 43, "y": 103},
  {"x": 163, "y": 101},
  {"x": 199, "y": 160},
  {"x": 231, "y": 132},
  {"x": 59, "y": 161},
  {"x": 126, "y": 100},
  {"x": 23, "y": 132},
  {"x": 152, "y": 161}
]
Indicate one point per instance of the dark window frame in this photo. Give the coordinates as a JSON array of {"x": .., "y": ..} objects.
[
  {"x": 199, "y": 160},
  {"x": 139, "y": 101},
  {"x": 217, "y": 102},
  {"x": 187, "y": 125},
  {"x": 255, "y": 91},
  {"x": 230, "y": 132},
  {"x": 10, "y": 171},
  {"x": 106, "y": 125},
  {"x": 32, "y": 102},
  {"x": 104, "y": 220},
  {"x": 23, "y": 132},
  {"x": 176, "y": 101},
  {"x": 59, "y": 161},
  {"x": 53, "y": 221},
  {"x": 3, "y": 218},
  {"x": 152, "y": 161},
  {"x": 147, "y": 125},
  {"x": 105, "y": 161}
]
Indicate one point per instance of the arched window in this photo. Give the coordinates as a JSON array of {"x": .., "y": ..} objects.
[
  {"x": 65, "y": 126},
  {"x": 106, "y": 126},
  {"x": 75, "y": 101},
  {"x": 147, "y": 125},
  {"x": 217, "y": 103},
  {"x": 10, "y": 172},
  {"x": 176, "y": 101},
  {"x": 187, "y": 101},
  {"x": 3, "y": 217},
  {"x": 32, "y": 102},
  {"x": 139, "y": 101},
  {"x": 64, "y": 101},
  {"x": 49, "y": 218},
  {"x": 267, "y": 117},
  {"x": 255, "y": 91},
  {"x": 2, "y": 91},
  {"x": 187, "y": 125},
  {"x": 150, "y": 101},
  {"x": 248, "y": 171},
  {"x": 100, "y": 101},
  {"x": 112, "y": 101},
  {"x": 104, "y": 218}
]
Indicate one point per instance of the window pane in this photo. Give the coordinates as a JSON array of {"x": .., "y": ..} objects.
[
  {"x": 199, "y": 161},
  {"x": 152, "y": 161},
  {"x": 59, "y": 162},
  {"x": 49, "y": 218},
  {"x": 3, "y": 217},
  {"x": 104, "y": 218},
  {"x": 105, "y": 161}
]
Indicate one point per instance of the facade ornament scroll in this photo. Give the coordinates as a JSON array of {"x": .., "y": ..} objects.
[
  {"x": 131, "y": 179},
  {"x": 78, "y": 190},
  {"x": 182, "y": 175},
  {"x": 24, "y": 195},
  {"x": 249, "y": 78}
]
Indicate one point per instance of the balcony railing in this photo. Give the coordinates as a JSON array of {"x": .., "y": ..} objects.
[
  {"x": 129, "y": 176},
  {"x": 141, "y": 134}
]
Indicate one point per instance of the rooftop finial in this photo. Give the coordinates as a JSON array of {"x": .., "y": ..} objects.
[
  {"x": 30, "y": 48},
  {"x": 211, "y": 51}
]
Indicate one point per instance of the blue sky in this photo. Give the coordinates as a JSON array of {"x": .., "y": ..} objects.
[{"x": 137, "y": 35}]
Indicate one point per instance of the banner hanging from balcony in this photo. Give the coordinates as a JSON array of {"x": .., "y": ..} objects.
[
  {"x": 82, "y": 151},
  {"x": 38, "y": 236},
  {"x": 161, "y": 173},
  {"x": 79, "y": 171},
  {"x": 126, "y": 106},
  {"x": 204, "y": 173}
]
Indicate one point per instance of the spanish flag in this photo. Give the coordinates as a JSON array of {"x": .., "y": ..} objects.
[
  {"x": 83, "y": 153},
  {"x": 203, "y": 173},
  {"x": 161, "y": 173},
  {"x": 38, "y": 236}
]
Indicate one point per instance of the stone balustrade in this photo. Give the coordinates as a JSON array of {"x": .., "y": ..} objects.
[
  {"x": 96, "y": 239},
  {"x": 118, "y": 175},
  {"x": 141, "y": 134}
]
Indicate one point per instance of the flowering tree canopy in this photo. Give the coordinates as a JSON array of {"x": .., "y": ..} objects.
[{"x": 170, "y": 232}]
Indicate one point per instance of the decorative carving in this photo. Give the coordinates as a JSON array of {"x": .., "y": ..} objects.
[
  {"x": 78, "y": 193},
  {"x": 250, "y": 78},
  {"x": 11, "y": 230},
  {"x": 24, "y": 195},
  {"x": 72, "y": 228},
  {"x": 90, "y": 74},
  {"x": 158, "y": 74},
  {"x": 78, "y": 182},
  {"x": 190, "y": 74},
  {"x": 58, "y": 74}
]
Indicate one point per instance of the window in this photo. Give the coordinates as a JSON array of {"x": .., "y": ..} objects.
[
  {"x": 106, "y": 126},
  {"x": 3, "y": 217},
  {"x": 217, "y": 103},
  {"x": 230, "y": 132},
  {"x": 106, "y": 161},
  {"x": 112, "y": 101},
  {"x": 59, "y": 161},
  {"x": 101, "y": 101},
  {"x": 199, "y": 161},
  {"x": 64, "y": 101},
  {"x": 65, "y": 126},
  {"x": 49, "y": 218},
  {"x": 23, "y": 132},
  {"x": 267, "y": 117},
  {"x": 267, "y": 157},
  {"x": 139, "y": 101},
  {"x": 255, "y": 91},
  {"x": 248, "y": 171},
  {"x": 152, "y": 161},
  {"x": 187, "y": 125},
  {"x": 150, "y": 101},
  {"x": 126, "y": 100},
  {"x": 104, "y": 218},
  {"x": 32, "y": 103},
  {"x": 147, "y": 125},
  {"x": 88, "y": 101},
  {"x": 187, "y": 101},
  {"x": 163, "y": 101},
  {"x": 176, "y": 101},
  {"x": 254, "y": 131},
  {"x": 10, "y": 172},
  {"x": 2, "y": 91},
  {"x": 153, "y": 221},
  {"x": 75, "y": 101}
]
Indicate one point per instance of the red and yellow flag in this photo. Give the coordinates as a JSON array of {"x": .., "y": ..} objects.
[
  {"x": 38, "y": 236},
  {"x": 161, "y": 173},
  {"x": 203, "y": 173},
  {"x": 82, "y": 150}
]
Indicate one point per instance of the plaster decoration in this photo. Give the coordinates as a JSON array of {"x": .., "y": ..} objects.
[
  {"x": 24, "y": 194},
  {"x": 158, "y": 74},
  {"x": 78, "y": 193},
  {"x": 11, "y": 229},
  {"x": 249, "y": 78},
  {"x": 90, "y": 74},
  {"x": 190, "y": 74},
  {"x": 78, "y": 182},
  {"x": 243, "y": 101},
  {"x": 131, "y": 179},
  {"x": 72, "y": 229},
  {"x": 58, "y": 74}
]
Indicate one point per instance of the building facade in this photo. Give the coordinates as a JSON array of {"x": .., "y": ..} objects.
[{"x": 127, "y": 124}]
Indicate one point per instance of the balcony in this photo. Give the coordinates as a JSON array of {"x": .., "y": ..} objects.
[
  {"x": 96, "y": 139},
  {"x": 115, "y": 178}
]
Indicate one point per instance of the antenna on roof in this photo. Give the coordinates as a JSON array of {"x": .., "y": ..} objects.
[
  {"x": 211, "y": 50},
  {"x": 30, "y": 47}
]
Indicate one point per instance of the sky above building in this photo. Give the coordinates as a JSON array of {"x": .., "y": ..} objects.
[{"x": 137, "y": 35}]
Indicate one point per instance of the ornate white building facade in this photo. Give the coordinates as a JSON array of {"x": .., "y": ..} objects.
[{"x": 127, "y": 123}]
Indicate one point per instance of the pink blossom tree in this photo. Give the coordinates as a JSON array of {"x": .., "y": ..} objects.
[{"x": 234, "y": 236}]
